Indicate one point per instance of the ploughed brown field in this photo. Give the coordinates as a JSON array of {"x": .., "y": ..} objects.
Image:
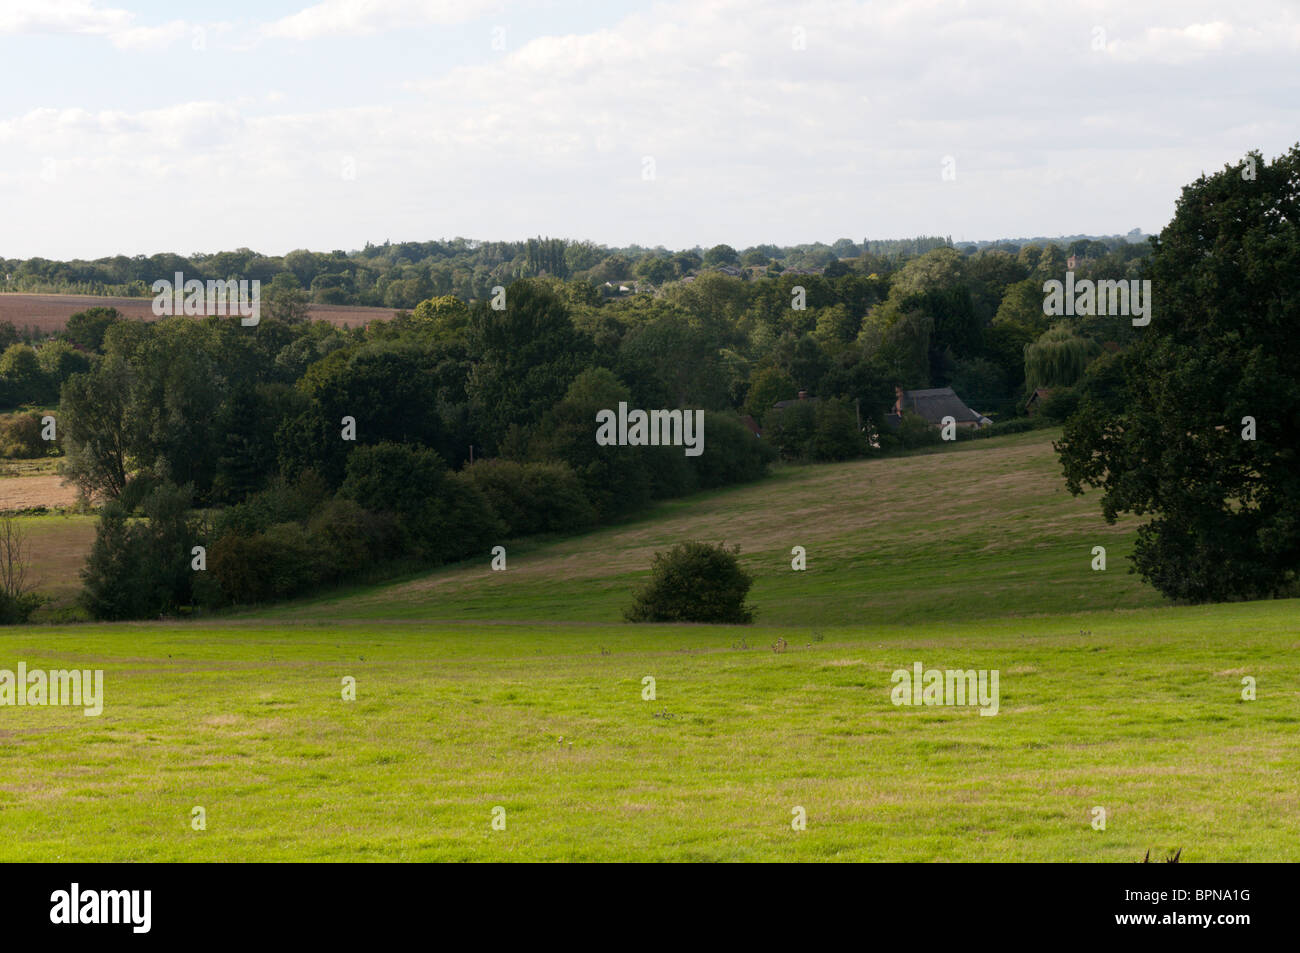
[{"x": 51, "y": 312}]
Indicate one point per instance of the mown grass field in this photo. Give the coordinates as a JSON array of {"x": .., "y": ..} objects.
[
  {"x": 971, "y": 558},
  {"x": 977, "y": 530}
]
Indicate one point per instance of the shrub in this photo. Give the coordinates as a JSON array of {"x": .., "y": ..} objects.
[
  {"x": 668, "y": 468},
  {"x": 532, "y": 497},
  {"x": 15, "y": 610},
  {"x": 835, "y": 432},
  {"x": 260, "y": 567},
  {"x": 21, "y": 379},
  {"x": 20, "y": 437},
  {"x": 694, "y": 582},
  {"x": 284, "y": 501},
  {"x": 350, "y": 538},
  {"x": 915, "y": 431},
  {"x": 1015, "y": 425},
  {"x": 1061, "y": 404}
]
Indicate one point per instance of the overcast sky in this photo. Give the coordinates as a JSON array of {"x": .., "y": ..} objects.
[{"x": 140, "y": 126}]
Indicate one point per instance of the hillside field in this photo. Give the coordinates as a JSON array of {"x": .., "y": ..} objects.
[{"x": 522, "y": 690}]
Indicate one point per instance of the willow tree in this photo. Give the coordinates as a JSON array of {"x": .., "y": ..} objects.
[{"x": 1058, "y": 358}]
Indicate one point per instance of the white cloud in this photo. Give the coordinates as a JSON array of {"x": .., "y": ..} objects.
[
  {"x": 365, "y": 17},
  {"x": 60, "y": 16},
  {"x": 753, "y": 138}
]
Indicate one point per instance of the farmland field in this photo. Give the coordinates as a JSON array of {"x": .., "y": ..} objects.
[
  {"x": 50, "y": 312},
  {"x": 522, "y": 690}
]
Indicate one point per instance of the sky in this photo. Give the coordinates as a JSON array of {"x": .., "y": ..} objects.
[{"x": 138, "y": 126}]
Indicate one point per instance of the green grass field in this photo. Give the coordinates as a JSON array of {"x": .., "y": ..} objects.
[{"x": 522, "y": 690}]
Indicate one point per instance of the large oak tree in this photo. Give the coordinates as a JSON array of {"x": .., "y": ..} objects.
[{"x": 1161, "y": 427}]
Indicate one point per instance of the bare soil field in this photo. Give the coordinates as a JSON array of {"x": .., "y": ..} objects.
[{"x": 51, "y": 312}]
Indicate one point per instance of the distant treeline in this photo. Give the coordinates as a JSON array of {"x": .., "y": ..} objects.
[{"x": 402, "y": 275}]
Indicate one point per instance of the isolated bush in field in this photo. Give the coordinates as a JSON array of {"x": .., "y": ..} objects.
[
  {"x": 732, "y": 454},
  {"x": 532, "y": 497},
  {"x": 141, "y": 568},
  {"x": 694, "y": 582}
]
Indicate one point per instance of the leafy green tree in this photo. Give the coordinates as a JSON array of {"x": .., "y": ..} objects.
[
  {"x": 390, "y": 388},
  {"x": 678, "y": 361},
  {"x": 616, "y": 479},
  {"x": 285, "y": 300},
  {"x": 21, "y": 379},
  {"x": 524, "y": 358},
  {"x": 979, "y": 382},
  {"x": 59, "y": 360},
  {"x": 141, "y": 568},
  {"x": 97, "y": 429},
  {"x": 532, "y": 497},
  {"x": 721, "y": 255},
  {"x": 446, "y": 317},
  {"x": 85, "y": 329},
  {"x": 900, "y": 341},
  {"x": 1022, "y": 306},
  {"x": 836, "y": 326},
  {"x": 179, "y": 383},
  {"x": 1161, "y": 428},
  {"x": 656, "y": 269},
  {"x": 767, "y": 386}
]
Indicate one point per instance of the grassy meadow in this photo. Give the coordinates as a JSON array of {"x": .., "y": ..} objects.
[{"x": 523, "y": 690}]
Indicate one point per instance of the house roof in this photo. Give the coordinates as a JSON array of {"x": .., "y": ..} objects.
[
  {"x": 938, "y": 402},
  {"x": 798, "y": 400}
]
